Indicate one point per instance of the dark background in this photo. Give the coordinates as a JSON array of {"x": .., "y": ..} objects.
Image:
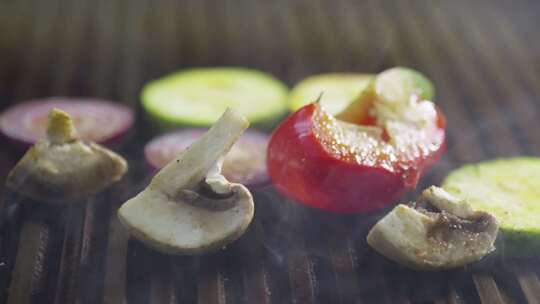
[{"x": 484, "y": 57}]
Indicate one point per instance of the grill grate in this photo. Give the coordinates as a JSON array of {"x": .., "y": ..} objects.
[{"x": 480, "y": 55}]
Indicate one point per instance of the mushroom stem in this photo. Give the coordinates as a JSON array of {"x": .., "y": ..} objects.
[
  {"x": 217, "y": 182},
  {"x": 196, "y": 162},
  {"x": 443, "y": 201},
  {"x": 60, "y": 129}
]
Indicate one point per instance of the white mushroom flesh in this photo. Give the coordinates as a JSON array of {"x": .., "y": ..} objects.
[
  {"x": 436, "y": 232},
  {"x": 189, "y": 207},
  {"x": 61, "y": 169}
]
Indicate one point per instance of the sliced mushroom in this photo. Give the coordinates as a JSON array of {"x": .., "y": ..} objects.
[
  {"x": 436, "y": 232},
  {"x": 60, "y": 168},
  {"x": 189, "y": 207}
]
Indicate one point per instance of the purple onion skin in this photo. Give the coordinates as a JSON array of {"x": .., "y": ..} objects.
[{"x": 113, "y": 141}]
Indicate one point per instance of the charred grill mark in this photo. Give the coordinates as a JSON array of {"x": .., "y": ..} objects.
[
  {"x": 115, "y": 282},
  {"x": 94, "y": 249},
  {"x": 184, "y": 278},
  {"x": 67, "y": 287},
  {"x": 137, "y": 270}
]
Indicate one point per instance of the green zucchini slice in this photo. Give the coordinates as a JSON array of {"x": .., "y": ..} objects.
[
  {"x": 338, "y": 90},
  {"x": 198, "y": 96}
]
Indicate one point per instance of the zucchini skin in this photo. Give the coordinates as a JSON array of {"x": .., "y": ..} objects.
[{"x": 517, "y": 238}]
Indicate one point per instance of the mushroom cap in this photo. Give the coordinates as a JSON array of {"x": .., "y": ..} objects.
[
  {"x": 177, "y": 214},
  {"x": 445, "y": 233},
  {"x": 178, "y": 227},
  {"x": 61, "y": 168}
]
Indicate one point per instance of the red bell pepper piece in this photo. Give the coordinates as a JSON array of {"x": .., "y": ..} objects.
[{"x": 357, "y": 166}]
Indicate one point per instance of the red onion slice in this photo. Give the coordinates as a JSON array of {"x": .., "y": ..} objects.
[
  {"x": 244, "y": 164},
  {"x": 96, "y": 120}
]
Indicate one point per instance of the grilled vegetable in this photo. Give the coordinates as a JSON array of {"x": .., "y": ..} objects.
[
  {"x": 338, "y": 90},
  {"x": 197, "y": 97},
  {"x": 510, "y": 190},
  {"x": 364, "y": 163},
  {"x": 436, "y": 232},
  {"x": 95, "y": 120},
  {"x": 61, "y": 169},
  {"x": 244, "y": 164},
  {"x": 189, "y": 207}
]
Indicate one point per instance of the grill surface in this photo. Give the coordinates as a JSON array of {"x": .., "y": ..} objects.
[{"x": 482, "y": 55}]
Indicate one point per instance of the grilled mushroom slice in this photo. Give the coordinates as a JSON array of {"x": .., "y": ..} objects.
[
  {"x": 436, "y": 232},
  {"x": 189, "y": 207},
  {"x": 60, "y": 168}
]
